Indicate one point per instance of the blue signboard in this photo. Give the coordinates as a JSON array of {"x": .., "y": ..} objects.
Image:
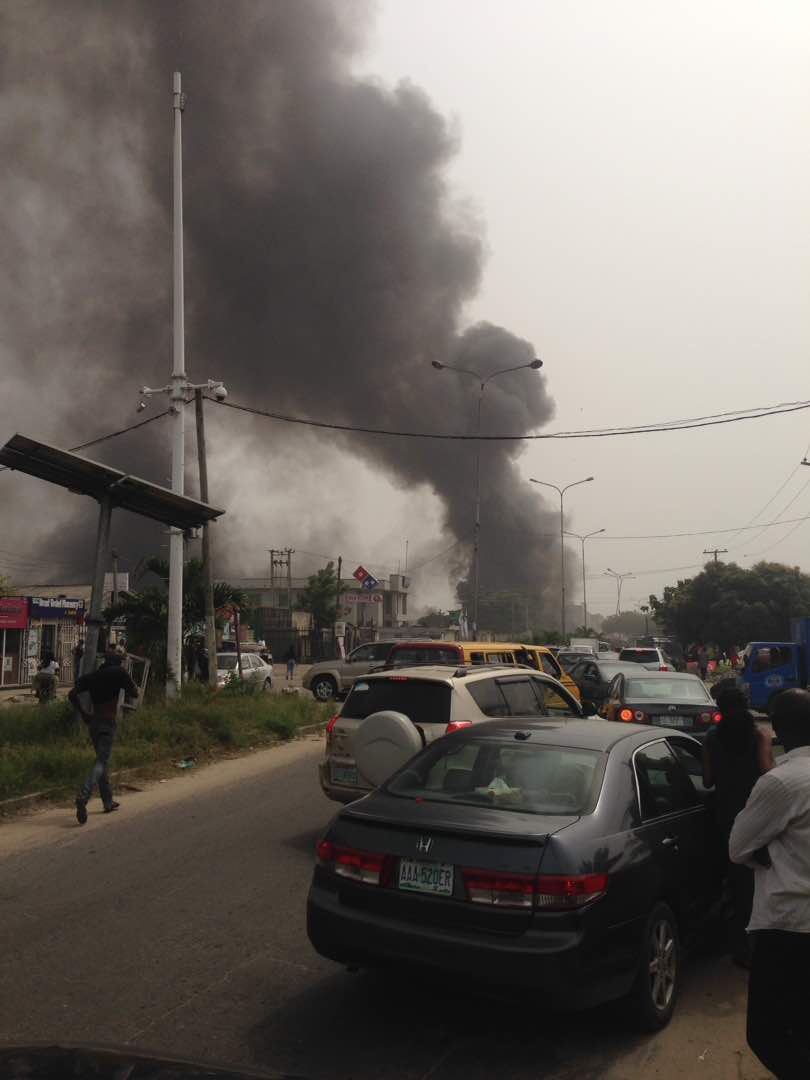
[{"x": 370, "y": 583}]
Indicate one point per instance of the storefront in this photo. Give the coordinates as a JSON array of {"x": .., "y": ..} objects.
[
  {"x": 55, "y": 627},
  {"x": 14, "y": 615}
]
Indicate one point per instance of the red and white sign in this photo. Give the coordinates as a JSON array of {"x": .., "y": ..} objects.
[
  {"x": 360, "y": 573},
  {"x": 13, "y": 612}
]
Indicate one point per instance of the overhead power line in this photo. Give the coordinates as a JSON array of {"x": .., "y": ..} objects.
[
  {"x": 587, "y": 433},
  {"x": 704, "y": 532}
]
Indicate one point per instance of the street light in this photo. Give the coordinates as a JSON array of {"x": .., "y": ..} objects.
[
  {"x": 561, "y": 492},
  {"x": 582, "y": 540},
  {"x": 533, "y": 365},
  {"x": 619, "y": 578}
]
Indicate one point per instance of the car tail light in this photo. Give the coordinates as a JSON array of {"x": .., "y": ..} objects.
[
  {"x": 626, "y": 715},
  {"x": 717, "y": 717},
  {"x": 546, "y": 892},
  {"x": 562, "y": 891},
  {"x": 663, "y": 667},
  {"x": 366, "y": 866},
  {"x": 330, "y": 726},
  {"x": 457, "y": 725}
]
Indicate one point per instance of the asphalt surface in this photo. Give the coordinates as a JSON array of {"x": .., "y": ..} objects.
[{"x": 177, "y": 925}]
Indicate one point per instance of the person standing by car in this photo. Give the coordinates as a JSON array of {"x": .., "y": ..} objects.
[
  {"x": 736, "y": 753},
  {"x": 777, "y": 817},
  {"x": 703, "y": 661},
  {"x": 104, "y": 687}
]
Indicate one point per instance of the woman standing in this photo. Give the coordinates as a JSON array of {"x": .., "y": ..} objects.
[{"x": 735, "y": 754}]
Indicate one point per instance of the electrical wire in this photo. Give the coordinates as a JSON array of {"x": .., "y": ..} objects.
[
  {"x": 587, "y": 433},
  {"x": 773, "y": 498},
  {"x": 705, "y": 532}
]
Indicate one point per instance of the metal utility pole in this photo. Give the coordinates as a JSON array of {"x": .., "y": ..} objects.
[
  {"x": 114, "y": 598},
  {"x": 561, "y": 492},
  {"x": 177, "y": 389},
  {"x": 582, "y": 540},
  {"x": 533, "y": 365},
  {"x": 337, "y": 600},
  {"x": 715, "y": 552},
  {"x": 207, "y": 559},
  {"x": 94, "y": 619},
  {"x": 619, "y": 579}
]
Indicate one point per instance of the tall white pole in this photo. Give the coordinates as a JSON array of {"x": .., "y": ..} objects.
[{"x": 174, "y": 644}]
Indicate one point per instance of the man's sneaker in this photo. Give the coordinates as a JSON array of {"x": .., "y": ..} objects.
[
  {"x": 113, "y": 806},
  {"x": 81, "y": 811}
]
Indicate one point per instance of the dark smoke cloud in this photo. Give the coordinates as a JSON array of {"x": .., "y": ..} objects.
[{"x": 326, "y": 262}]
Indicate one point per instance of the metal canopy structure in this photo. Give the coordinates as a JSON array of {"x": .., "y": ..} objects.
[
  {"x": 112, "y": 489},
  {"x": 85, "y": 477}
]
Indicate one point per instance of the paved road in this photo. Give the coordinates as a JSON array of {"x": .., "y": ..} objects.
[{"x": 178, "y": 925}]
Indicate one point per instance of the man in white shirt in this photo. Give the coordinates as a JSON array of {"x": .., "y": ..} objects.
[{"x": 777, "y": 817}]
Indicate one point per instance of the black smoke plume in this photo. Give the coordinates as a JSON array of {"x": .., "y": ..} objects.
[{"x": 327, "y": 264}]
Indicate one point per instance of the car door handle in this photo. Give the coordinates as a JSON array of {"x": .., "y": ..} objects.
[{"x": 670, "y": 842}]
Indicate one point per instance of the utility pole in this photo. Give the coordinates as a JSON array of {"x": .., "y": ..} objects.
[
  {"x": 619, "y": 579},
  {"x": 715, "y": 552},
  {"x": 561, "y": 492},
  {"x": 208, "y": 569},
  {"x": 114, "y": 555},
  {"x": 177, "y": 389},
  {"x": 337, "y": 601}
]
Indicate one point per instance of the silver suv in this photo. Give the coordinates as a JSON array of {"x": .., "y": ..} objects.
[
  {"x": 334, "y": 678},
  {"x": 417, "y": 705}
]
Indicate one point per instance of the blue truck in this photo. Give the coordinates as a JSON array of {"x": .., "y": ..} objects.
[{"x": 772, "y": 666}]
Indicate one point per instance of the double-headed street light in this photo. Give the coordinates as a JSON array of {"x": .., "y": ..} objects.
[
  {"x": 561, "y": 492},
  {"x": 582, "y": 540},
  {"x": 533, "y": 365},
  {"x": 619, "y": 579}
]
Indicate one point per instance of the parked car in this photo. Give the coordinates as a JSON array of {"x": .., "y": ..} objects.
[
  {"x": 593, "y": 677},
  {"x": 671, "y": 699},
  {"x": 433, "y": 701},
  {"x": 254, "y": 669},
  {"x": 654, "y": 659},
  {"x": 539, "y": 657},
  {"x": 568, "y": 658},
  {"x": 335, "y": 678},
  {"x": 563, "y": 857}
]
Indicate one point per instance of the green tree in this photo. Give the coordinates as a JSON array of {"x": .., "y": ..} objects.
[
  {"x": 320, "y": 597},
  {"x": 628, "y": 624},
  {"x": 5, "y": 585},
  {"x": 434, "y": 618},
  {"x": 730, "y": 605}
]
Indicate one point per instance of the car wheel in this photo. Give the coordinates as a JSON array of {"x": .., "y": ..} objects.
[
  {"x": 268, "y": 684},
  {"x": 659, "y": 974},
  {"x": 324, "y": 688}
]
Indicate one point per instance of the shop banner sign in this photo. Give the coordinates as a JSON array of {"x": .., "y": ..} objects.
[
  {"x": 13, "y": 612},
  {"x": 53, "y": 608},
  {"x": 361, "y": 598}
]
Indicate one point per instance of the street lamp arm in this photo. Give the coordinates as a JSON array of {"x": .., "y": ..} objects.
[
  {"x": 546, "y": 484},
  {"x": 503, "y": 371},
  {"x": 576, "y": 483}
]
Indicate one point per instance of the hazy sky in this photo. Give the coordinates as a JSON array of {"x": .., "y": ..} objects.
[{"x": 643, "y": 171}]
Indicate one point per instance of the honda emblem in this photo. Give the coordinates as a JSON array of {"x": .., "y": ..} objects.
[{"x": 424, "y": 844}]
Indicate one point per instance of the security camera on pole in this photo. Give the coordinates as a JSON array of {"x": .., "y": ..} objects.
[{"x": 178, "y": 389}]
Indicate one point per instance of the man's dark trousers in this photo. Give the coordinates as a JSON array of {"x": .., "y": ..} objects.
[
  {"x": 102, "y": 737},
  {"x": 778, "y": 1030}
]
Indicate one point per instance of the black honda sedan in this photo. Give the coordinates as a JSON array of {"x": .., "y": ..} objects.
[
  {"x": 561, "y": 856},
  {"x": 670, "y": 699}
]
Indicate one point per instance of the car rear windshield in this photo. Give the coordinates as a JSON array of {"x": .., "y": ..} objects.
[
  {"x": 421, "y": 701},
  {"x": 669, "y": 690},
  {"x": 420, "y": 654},
  {"x": 227, "y": 663},
  {"x": 639, "y": 656},
  {"x": 507, "y": 776}
]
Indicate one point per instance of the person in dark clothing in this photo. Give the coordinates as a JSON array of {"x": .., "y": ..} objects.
[
  {"x": 735, "y": 754},
  {"x": 78, "y": 653},
  {"x": 291, "y": 658},
  {"x": 103, "y": 687}
]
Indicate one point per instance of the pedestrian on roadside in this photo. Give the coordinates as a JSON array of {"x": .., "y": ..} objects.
[
  {"x": 78, "y": 653},
  {"x": 736, "y": 752},
  {"x": 703, "y": 661},
  {"x": 291, "y": 659},
  {"x": 104, "y": 687},
  {"x": 733, "y": 657},
  {"x": 777, "y": 817}
]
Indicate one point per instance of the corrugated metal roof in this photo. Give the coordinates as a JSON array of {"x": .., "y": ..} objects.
[{"x": 85, "y": 477}]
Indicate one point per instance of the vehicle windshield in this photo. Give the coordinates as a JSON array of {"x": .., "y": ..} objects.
[
  {"x": 670, "y": 690},
  {"x": 507, "y": 776},
  {"x": 639, "y": 656},
  {"x": 417, "y": 654},
  {"x": 420, "y": 700},
  {"x": 227, "y": 662}
]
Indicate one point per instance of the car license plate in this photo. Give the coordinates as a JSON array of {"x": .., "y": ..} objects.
[
  {"x": 343, "y": 774},
  {"x": 673, "y": 721},
  {"x": 426, "y": 877}
]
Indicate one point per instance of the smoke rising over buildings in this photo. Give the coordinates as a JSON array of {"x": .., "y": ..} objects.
[{"x": 327, "y": 263}]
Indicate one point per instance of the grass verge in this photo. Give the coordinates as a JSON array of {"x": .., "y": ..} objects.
[{"x": 44, "y": 747}]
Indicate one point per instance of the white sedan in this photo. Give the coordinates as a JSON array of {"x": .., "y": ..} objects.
[{"x": 254, "y": 669}]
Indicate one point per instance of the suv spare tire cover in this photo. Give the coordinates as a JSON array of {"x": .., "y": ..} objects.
[{"x": 383, "y": 743}]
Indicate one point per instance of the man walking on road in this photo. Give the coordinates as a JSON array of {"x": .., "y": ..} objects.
[
  {"x": 777, "y": 817},
  {"x": 104, "y": 687}
]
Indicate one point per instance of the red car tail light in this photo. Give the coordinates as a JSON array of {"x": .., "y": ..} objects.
[
  {"x": 626, "y": 715},
  {"x": 503, "y": 890},
  {"x": 546, "y": 892},
  {"x": 663, "y": 667},
  {"x": 717, "y": 717},
  {"x": 368, "y": 867},
  {"x": 457, "y": 725},
  {"x": 563, "y": 891}
]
